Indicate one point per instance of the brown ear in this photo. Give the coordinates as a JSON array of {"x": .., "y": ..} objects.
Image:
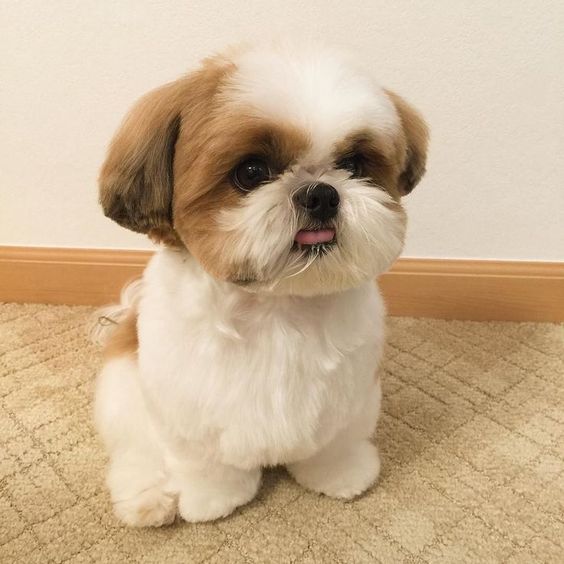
[
  {"x": 137, "y": 177},
  {"x": 416, "y": 135}
]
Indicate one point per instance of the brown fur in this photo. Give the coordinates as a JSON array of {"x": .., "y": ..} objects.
[
  {"x": 397, "y": 166},
  {"x": 380, "y": 158},
  {"x": 136, "y": 181},
  {"x": 123, "y": 340},
  {"x": 204, "y": 186},
  {"x": 165, "y": 236},
  {"x": 413, "y": 145}
]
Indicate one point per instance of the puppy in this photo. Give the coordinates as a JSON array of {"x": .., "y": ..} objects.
[{"x": 273, "y": 179}]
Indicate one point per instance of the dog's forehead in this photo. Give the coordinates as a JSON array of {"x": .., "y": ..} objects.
[{"x": 320, "y": 91}]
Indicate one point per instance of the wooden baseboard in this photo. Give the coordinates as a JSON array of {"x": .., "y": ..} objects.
[
  {"x": 475, "y": 290},
  {"x": 67, "y": 276},
  {"x": 446, "y": 289}
]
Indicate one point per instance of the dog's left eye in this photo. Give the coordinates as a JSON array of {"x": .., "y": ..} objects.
[
  {"x": 352, "y": 164},
  {"x": 250, "y": 173}
]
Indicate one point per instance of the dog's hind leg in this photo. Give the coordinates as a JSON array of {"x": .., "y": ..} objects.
[{"x": 137, "y": 476}]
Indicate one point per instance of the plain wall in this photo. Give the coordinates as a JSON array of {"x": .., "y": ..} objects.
[{"x": 487, "y": 75}]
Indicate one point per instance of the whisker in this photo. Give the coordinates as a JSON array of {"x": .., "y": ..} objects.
[{"x": 310, "y": 261}]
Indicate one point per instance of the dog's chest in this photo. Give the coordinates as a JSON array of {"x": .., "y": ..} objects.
[{"x": 261, "y": 382}]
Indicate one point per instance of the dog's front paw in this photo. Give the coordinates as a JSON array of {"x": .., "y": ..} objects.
[
  {"x": 152, "y": 507},
  {"x": 341, "y": 473},
  {"x": 210, "y": 499}
]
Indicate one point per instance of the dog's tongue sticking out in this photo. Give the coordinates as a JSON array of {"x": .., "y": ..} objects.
[{"x": 314, "y": 237}]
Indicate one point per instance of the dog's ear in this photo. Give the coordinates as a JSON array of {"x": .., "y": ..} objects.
[
  {"x": 416, "y": 135},
  {"x": 136, "y": 180}
]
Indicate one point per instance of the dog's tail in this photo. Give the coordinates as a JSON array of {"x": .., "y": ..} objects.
[{"x": 107, "y": 318}]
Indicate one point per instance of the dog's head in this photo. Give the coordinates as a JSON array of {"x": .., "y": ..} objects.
[{"x": 279, "y": 170}]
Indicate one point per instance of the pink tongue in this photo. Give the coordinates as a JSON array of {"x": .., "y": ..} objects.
[{"x": 305, "y": 237}]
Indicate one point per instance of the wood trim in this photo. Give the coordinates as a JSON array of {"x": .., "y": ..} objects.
[
  {"x": 475, "y": 290},
  {"x": 447, "y": 289},
  {"x": 67, "y": 276}
]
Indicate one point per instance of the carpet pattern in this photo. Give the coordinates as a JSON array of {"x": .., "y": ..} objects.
[{"x": 471, "y": 438}]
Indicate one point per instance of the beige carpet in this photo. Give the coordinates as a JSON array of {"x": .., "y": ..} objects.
[{"x": 471, "y": 439}]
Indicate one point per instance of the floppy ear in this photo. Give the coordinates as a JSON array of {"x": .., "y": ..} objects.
[
  {"x": 136, "y": 180},
  {"x": 417, "y": 138}
]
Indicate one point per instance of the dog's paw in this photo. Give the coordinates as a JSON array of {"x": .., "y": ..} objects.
[
  {"x": 341, "y": 474},
  {"x": 152, "y": 507},
  {"x": 210, "y": 500}
]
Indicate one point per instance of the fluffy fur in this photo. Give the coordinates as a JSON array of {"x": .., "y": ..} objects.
[{"x": 240, "y": 348}]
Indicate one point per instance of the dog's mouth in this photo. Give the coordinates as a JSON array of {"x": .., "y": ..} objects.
[
  {"x": 306, "y": 237},
  {"x": 308, "y": 245},
  {"x": 315, "y": 240}
]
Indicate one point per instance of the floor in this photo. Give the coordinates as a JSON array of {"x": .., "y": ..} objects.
[{"x": 471, "y": 438}]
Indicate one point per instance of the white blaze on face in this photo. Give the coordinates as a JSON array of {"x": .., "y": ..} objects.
[{"x": 320, "y": 91}]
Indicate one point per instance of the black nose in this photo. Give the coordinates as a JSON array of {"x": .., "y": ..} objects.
[{"x": 320, "y": 200}]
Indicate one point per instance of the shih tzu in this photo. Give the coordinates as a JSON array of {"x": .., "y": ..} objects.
[{"x": 273, "y": 179}]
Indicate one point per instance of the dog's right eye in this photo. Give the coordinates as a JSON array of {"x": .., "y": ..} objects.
[{"x": 250, "y": 173}]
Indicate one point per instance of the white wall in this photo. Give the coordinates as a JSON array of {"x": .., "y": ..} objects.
[{"x": 487, "y": 75}]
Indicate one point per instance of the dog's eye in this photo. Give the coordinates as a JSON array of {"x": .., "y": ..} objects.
[
  {"x": 250, "y": 173},
  {"x": 352, "y": 164}
]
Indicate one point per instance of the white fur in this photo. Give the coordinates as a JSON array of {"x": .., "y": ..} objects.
[
  {"x": 370, "y": 235},
  {"x": 227, "y": 382},
  {"x": 320, "y": 89}
]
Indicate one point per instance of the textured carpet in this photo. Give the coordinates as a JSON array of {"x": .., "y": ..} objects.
[{"x": 471, "y": 438}]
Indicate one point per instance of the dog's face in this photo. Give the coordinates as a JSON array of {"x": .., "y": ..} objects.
[{"x": 279, "y": 171}]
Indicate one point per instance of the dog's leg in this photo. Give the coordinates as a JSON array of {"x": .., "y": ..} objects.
[
  {"x": 136, "y": 475},
  {"x": 211, "y": 491},
  {"x": 350, "y": 463}
]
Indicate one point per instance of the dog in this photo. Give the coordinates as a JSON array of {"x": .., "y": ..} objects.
[{"x": 272, "y": 179}]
